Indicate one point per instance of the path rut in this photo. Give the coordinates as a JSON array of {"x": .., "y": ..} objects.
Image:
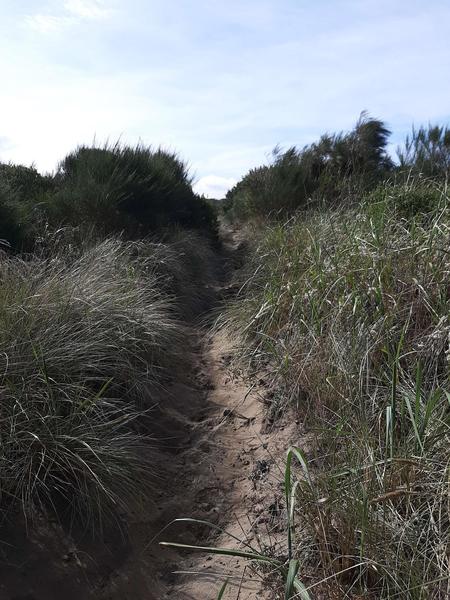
[{"x": 229, "y": 473}]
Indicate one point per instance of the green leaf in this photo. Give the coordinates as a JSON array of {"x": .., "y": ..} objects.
[
  {"x": 301, "y": 589},
  {"x": 292, "y": 572}
]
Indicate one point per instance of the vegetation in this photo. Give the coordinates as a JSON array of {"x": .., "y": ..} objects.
[
  {"x": 132, "y": 190},
  {"x": 345, "y": 300},
  {"x": 336, "y": 168},
  {"x": 110, "y": 190},
  {"x": 427, "y": 151},
  {"x": 349, "y": 309},
  {"x": 92, "y": 325},
  {"x": 21, "y": 189}
]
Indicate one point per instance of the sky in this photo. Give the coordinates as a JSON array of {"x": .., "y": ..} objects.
[{"x": 221, "y": 82}]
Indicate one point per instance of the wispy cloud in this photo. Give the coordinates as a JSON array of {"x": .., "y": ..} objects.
[
  {"x": 88, "y": 9},
  {"x": 73, "y": 12},
  {"x": 48, "y": 23}
]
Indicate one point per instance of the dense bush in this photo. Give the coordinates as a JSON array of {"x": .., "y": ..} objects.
[
  {"x": 338, "y": 169},
  {"x": 10, "y": 234},
  {"x": 21, "y": 189},
  {"x": 102, "y": 191},
  {"x": 136, "y": 191},
  {"x": 350, "y": 309},
  {"x": 25, "y": 182}
]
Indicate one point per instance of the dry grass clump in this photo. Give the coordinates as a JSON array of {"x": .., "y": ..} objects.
[
  {"x": 351, "y": 308},
  {"x": 86, "y": 346},
  {"x": 187, "y": 268}
]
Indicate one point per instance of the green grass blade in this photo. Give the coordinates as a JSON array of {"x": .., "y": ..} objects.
[
  {"x": 289, "y": 490},
  {"x": 301, "y": 590},
  {"x": 222, "y": 590},
  {"x": 292, "y": 572},
  {"x": 413, "y": 417},
  {"x": 217, "y": 528},
  {"x": 224, "y": 552}
]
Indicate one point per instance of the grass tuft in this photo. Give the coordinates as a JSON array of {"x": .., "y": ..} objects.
[{"x": 87, "y": 346}]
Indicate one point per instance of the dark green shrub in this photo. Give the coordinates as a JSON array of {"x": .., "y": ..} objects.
[
  {"x": 22, "y": 190},
  {"x": 132, "y": 190},
  {"x": 10, "y": 234},
  {"x": 25, "y": 182}
]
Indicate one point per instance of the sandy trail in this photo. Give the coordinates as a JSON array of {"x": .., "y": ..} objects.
[
  {"x": 224, "y": 490},
  {"x": 226, "y": 467},
  {"x": 233, "y": 479}
]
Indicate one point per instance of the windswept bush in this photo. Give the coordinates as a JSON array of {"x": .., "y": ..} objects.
[
  {"x": 337, "y": 167},
  {"x": 87, "y": 345},
  {"x": 350, "y": 308},
  {"x": 427, "y": 152}
]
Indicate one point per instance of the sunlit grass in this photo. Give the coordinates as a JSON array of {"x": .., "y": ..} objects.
[{"x": 350, "y": 310}]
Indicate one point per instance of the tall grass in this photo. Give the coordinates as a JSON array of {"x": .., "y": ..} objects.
[
  {"x": 187, "y": 268},
  {"x": 350, "y": 308},
  {"x": 87, "y": 345},
  {"x": 92, "y": 323}
]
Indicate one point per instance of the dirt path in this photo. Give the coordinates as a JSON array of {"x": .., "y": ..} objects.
[
  {"x": 232, "y": 478},
  {"x": 226, "y": 467},
  {"x": 230, "y": 447}
]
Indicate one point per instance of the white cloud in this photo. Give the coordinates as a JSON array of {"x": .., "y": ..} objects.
[
  {"x": 74, "y": 12},
  {"x": 87, "y": 9},
  {"x": 213, "y": 186},
  {"x": 47, "y": 23}
]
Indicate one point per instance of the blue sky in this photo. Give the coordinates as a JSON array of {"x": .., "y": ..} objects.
[{"x": 222, "y": 82}]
